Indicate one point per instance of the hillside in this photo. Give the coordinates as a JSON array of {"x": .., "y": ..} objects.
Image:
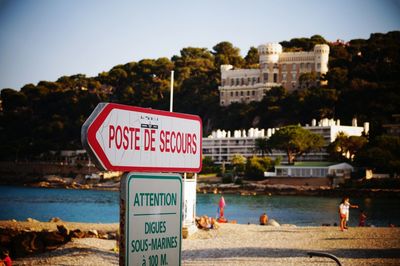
[{"x": 363, "y": 82}]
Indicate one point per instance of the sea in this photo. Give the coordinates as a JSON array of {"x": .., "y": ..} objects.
[{"x": 94, "y": 206}]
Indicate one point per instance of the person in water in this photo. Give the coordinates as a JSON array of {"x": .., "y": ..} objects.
[{"x": 344, "y": 208}]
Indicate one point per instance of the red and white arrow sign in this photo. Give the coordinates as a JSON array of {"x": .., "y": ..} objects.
[{"x": 127, "y": 138}]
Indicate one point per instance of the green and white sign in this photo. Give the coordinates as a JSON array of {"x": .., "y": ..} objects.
[{"x": 153, "y": 219}]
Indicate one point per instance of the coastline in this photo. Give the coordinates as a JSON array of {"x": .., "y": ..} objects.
[
  {"x": 247, "y": 189},
  {"x": 236, "y": 244}
]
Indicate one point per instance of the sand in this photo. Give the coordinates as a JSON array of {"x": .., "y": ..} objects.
[{"x": 247, "y": 245}]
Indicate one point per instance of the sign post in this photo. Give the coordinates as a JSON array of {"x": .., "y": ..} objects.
[
  {"x": 153, "y": 224},
  {"x": 137, "y": 140}
]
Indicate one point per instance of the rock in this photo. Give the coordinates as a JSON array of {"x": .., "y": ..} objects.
[
  {"x": 102, "y": 235},
  {"x": 92, "y": 233},
  {"x": 30, "y": 242},
  {"x": 272, "y": 222},
  {"x": 112, "y": 235},
  {"x": 55, "y": 220},
  {"x": 13, "y": 220},
  {"x": 77, "y": 233},
  {"x": 63, "y": 230},
  {"x": 31, "y": 220},
  {"x": 54, "y": 239}
]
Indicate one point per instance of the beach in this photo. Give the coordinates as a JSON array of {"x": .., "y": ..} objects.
[{"x": 237, "y": 244}]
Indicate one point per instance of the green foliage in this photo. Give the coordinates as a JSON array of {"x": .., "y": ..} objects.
[
  {"x": 238, "y": 162},
  {"x": 345, "y": 148},
  {"x": 295, "y": 141},
  {"x": 226, "y": 53},
  {"x": 208, "y": 166},
  {"x": 261, "y": 146},
  {"x": 252, "y": 58},
  {"x": 382, "y": 154},
  {"x": 363, "y": 81},
  {"x": 303, "y": 44},
  {"x": 256, "y": 166}
]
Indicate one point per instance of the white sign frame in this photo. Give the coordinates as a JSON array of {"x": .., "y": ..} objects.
[{"x": 129, "y": 138}]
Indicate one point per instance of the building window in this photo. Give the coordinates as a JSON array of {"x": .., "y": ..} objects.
[
  {"x": 284, "y": 67},
  {"x": 284, "y": 76},
  {"x": 237, "y": 93},
  {"x": 275, "y": 77},
  {"x": 253, "y": 93},
  {"x": 242, "y": 81},
  {"x": 293, "y": 76},
  {"x": 248, "y": 93},
  {"x": 237, "y": 81},
  {"x": 318, "y": 65},
  {"x": 265, "y": 77},
  {"x": 231, "y": 93},
  {"x": 308, "y": 66},
  {"x": 232, "y": 82},
  {"x": 258, "y": 80},
  {"x": 294, "y": 67},
  {"x": 241, "y": 93}
]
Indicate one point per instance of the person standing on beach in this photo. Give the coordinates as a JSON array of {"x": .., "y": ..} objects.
[{"x": 344, "y": 208}]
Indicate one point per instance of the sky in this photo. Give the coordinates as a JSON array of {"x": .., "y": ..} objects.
[{"x": 47, "y": 39}]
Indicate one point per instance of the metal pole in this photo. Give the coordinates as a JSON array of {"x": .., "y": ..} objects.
[{"x": 171, "y": 103}]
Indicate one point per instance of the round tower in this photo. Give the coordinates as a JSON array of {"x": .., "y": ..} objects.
[
  {"x": 269, "y": 53},
  {"x": 321, "y": 55}
]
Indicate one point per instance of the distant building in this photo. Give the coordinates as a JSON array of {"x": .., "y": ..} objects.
[
  {"x": 277, "y": 68},
  {"x": 222, "y": 145},
  {"x": 315, "y": 169}
]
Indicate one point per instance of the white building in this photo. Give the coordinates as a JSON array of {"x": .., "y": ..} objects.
[
  {"x": 314, "y": 170},
  {"x": 221, "y": 145},
  {"x": 276, "y": 68}
]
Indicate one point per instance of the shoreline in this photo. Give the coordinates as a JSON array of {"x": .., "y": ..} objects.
[
  {"x": 239, "y": 244},
  {"x": 248, "y": 189}
]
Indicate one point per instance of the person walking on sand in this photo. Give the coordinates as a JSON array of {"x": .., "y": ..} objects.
[{"x": 344, "y": 212}]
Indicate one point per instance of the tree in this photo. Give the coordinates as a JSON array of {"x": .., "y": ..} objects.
[
  {"x": 226, "y": 53},
  {"x": 256, "y": 166},
  {"x": 207, "y": 165},
  {"x": 238, "y": 162},
  {"x": 295, "y": 141},
  {"x": 252, "y": 58},
  {"x": 382, "y": 154},
  {"x": 346, "y": 147},
  {"x": 261, "y": 146}
]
